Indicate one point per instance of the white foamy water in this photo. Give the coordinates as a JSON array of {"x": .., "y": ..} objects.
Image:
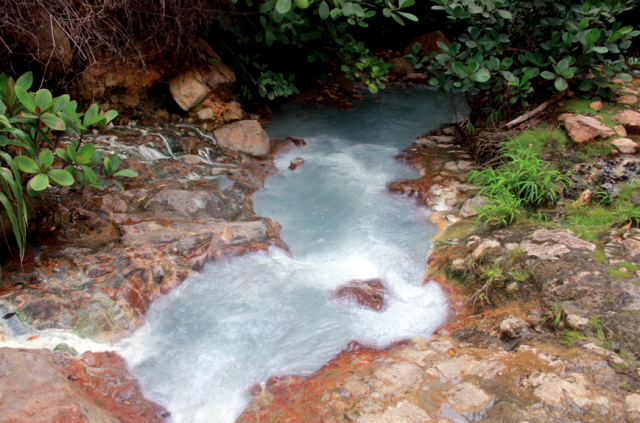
[{"x": 265, "y": 315}]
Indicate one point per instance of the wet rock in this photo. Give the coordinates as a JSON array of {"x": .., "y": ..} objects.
[
  {"x": 113, "y": 204},
  {"x": 41, "y": 386},
  {"x": 596, "y": 105},
  {"x": 563, "y": 237},
  {"x": 555, "y": 390},
  {"x": 399, "y": 66},
  {"x": 467, "y": 398},
  {"x": 584, "y": 128},
  {"x": 428, "y": 43},
  {"x": 627, "y": 99},
  {"x": 197, "y": 205},
  {"x": 469, "y": 207},
  {"x": 246, "y": 136},
  {"x": 397, "y": 378},
  {"x": 625, "y": 145},
  {"x": 296, "y": 163},
  {"x": 234, "y": 112},
  {"x": 197, "y": 263},
  {"x": 297, "y": 141},
  {"x": 513, "y": 327},
  {"x": 369, "y": 293},
  {"x": 191, "y": 87},
  {"x": 191, "y": 145},
  {"x": 404, "y": 412},
  {"x": 157, "y": 271}
]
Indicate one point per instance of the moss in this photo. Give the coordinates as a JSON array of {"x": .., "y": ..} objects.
[
  {"x": 599, "y": 256},
  {"x": 615, "y": 272}
]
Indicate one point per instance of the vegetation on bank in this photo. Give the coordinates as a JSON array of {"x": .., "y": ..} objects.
[{"x": 36, "y": 162}]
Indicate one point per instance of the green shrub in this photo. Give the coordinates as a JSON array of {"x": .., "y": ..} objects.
[
  {"x": 34, "y": 122},
  {"x": 513, "y": 48}
]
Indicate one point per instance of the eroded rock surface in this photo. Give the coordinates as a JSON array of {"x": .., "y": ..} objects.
[{"x": 368, "y": 293}]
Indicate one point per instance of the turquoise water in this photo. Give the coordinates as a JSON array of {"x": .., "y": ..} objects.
[{"x": 263, "y": 315}]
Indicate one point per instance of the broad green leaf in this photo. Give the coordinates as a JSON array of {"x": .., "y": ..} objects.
[
  {"x": 508, "y": 76},
  {"x": 128, "y": 173},
  {"x": 406, "y": 3},
  {"x": 504, "y": 14},
  {"x": 119, "y": 185},
  {"x": 27, "y": 164},
  {"x": 586, "y": 85},
  {"x": 39, "y": 182},
  {"x": 91, "y": 114},
  {"x": 61, "y": 177},
  {"x": 46, "y": 159},
  {"x": 25, "y": 81},
  {"x": 347, "y": 9},
  {"x": 323, "y": 10},
  {"x": 90, "y": 173},
  {"x": 87, "y": 150},
  {"x": 408, "y": 16},
  {"x": 110, "y": 115},
  {"x": 482, "y": 75},
  {"x": 584, "y": 23},
  {"x": 114, "y": 162},
  {"x": 302, "y": 4},
  {"x": 283, "y": 6},
  {"x": 561, "y": 84},
  {"x": 25, "y": 99},
  {"x": 53, "y": 121},
  {"x": 82, "y": 159},
  {"x": 548, "y": 75},
  {"x": 43, "y": 99},
  {"x": 458, "y": 68},
  {"x": 601, "y": 50},
  {"x": 63, "y": 154}
]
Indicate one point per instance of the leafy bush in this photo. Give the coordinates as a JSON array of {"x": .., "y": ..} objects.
[
  {"x": 34, "y": 123},
  {"x": 513, "y": 48}
]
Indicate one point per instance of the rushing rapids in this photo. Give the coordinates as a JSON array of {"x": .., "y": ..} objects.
[{"x": 239, "y": 323}]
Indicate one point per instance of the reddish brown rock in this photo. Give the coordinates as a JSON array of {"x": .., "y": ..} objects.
[
  {"x": 296, "y": 163},
  {"x": 191, "y": 87},
  {"x": 43, "y": 386},
  {"x": 428, "y": 43},
  {"x": 297, "y": 141},
  {"x": 399, "y": 66},
  {"x": 596, "y": 105},
  {"x": 369, "y": 293},
  {"x": 416, "y": 77},
  {"x": 584, "y": 128}
]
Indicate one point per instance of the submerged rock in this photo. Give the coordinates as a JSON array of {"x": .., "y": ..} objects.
[
  {"x": 296, "y": 163},
  {"x": 369, "y": 293}
]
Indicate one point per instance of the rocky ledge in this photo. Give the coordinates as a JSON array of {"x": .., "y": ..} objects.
[{"x": 526, "y": 348}]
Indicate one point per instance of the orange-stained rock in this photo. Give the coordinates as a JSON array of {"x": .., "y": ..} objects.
[
  {"x": 368, "y": 293},
  {"x": 44, "y": 386},
  {"x": 191, "y": 87},
  {"x": 245, "y": 136}
]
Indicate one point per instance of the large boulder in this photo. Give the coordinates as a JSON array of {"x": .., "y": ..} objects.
[
  {"x": 400, "y": 66},
  {"x": 428, "y": 43},
  {"x": 584, "y": 128},
  {"x": 197, "y": 205},
  {"x": 245, "y": 136},
  {"x": 191, "y": 87}
]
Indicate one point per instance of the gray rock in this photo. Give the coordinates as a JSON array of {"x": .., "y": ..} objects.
[
  {"x": 158, "y": 272},
  {"x": 196, "y": 205},
  {"x": 468, "y": 209},
  {"x": 245, "y": 136}
]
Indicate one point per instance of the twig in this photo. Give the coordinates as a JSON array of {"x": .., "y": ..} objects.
[{"x": 536, "y": 111}]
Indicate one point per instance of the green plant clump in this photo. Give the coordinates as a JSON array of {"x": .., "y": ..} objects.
[
  {"x": 522, "y": 181},
  {"x": 33, "y": 122}
]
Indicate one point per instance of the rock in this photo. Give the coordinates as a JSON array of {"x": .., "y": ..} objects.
[
  {"x": 585, "y": 197},
  {"x": 512, "y": 287},
  {"x": 246, "y": 136},
  {"x": 630, "y": 120},
  {"x": 123, "y": 82},
  {"x": 404, "y": 412},
  {"x": 428, "y": 43},
  {"x": 577, "y": 322},
  {"x": 625, "y": 145},
  {"x": 418, "y": 78},
  {"x": 197, "y": 263},
  {"x": 157, "y": 272},
  {"x": 191, "y": 145},
  {"x": 399, "y": 66},
  {"x": 487, "y": 244},
  {"x": 206, "y": 114},
  {"x": 627, "y": 99},
  {"x": 113, "y": 204},
  {"x": 369, "y": 293},
  {"x": 564, "y": 116},
  {"x": 633, "y": 402},
  {"x": 584, "y": 128},
  {"x": 41, "y": 386},
  {"x": 197, "y": 205},
  {"x": 397, "y": 378},
  {"x": 619, "y": 129},
  {"x": 297, "y": 141},
  {"x": 467, "y": 398},
  {"x": 563, "y": 237},
  {"x": 512, "y": 327},
  {"x": 469, "y": 207},
  {"x": 554, "y": 390},
  {"x": 234, "y": 113},
  {"x": 296, "y": 163},
  {"x": 191, "y": 87},
  {"x": 596, "y": 105},
  {"x": 192, "y": 160}
]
